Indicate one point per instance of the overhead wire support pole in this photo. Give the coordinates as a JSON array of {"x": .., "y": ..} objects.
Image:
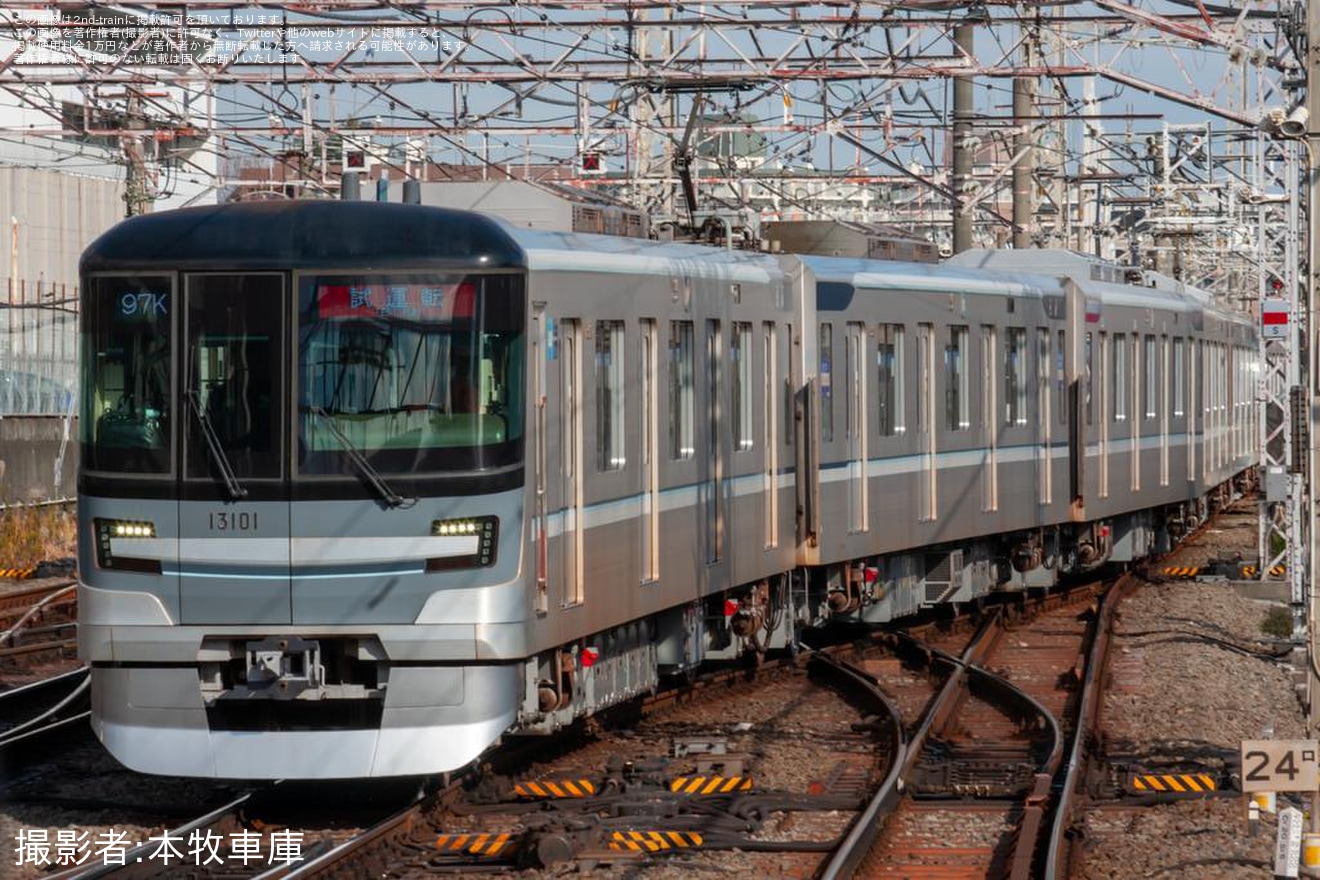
[
  {"x": 964, "y": 39},
  {"x": 1024, "y": 112},
  {"x": 1312, "y": 340}
]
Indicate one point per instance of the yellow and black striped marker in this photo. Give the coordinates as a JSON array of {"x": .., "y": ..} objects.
[
  {"x": 710, "y": 784},
  {"x": 1275, "y": 570},
  {"x": 556, "y": 788},
  {"x": 17, "y": 574},
  {"x": 653, "y": 841},
  {"x": 1172, "y": 783},
  {"x": 1182, "y": 571},
  {"x": 487, "y": 845}
]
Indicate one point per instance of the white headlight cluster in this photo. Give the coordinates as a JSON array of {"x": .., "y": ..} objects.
[
  {"x": 484, "y": 528},
  {"x": 133, "y": 530},
  {"x": 108, "y": 530},
  {"x": 455, "y": 527}
]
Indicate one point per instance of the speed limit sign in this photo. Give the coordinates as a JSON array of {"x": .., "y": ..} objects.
[{"x": 1280, "y": 765}]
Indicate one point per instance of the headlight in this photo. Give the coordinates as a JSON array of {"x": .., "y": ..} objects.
[
  {"x": 119, "y": 531},
  {"x": 479, "y": 552}
]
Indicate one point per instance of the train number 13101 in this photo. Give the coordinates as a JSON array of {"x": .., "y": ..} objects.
[{"x": 232, "y": 521}]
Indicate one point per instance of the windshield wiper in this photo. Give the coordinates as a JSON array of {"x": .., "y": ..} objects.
[
  {"x": 392, "y": 498},
  {"x": 236, "y": 489}
]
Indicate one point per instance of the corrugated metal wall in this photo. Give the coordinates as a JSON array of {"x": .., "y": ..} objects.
[
  {"x": 54, "y": 216},
  {"x": 46, "y": 219}
]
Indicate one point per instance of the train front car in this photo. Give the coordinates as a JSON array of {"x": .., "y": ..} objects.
[{"x": 301, "y": 488}]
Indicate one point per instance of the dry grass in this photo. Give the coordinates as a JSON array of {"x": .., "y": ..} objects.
[{"x": 29, "y": 535}]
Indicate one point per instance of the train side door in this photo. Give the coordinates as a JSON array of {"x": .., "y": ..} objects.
[
  {"x": 1077, "y": 381},
  {"x": 542, "y": 351},
  {"x": 714, "y": 444},
  {"x": 1162, "y": 385},
  {"x": 569, "y": 568},
  {"x": 926, "y": 491},
  {"x": 856, "y": 427},
  {"x": 990, "y": 417},
  {"x": 234, "y": 518},
  {"x": 649, "y": 369}
]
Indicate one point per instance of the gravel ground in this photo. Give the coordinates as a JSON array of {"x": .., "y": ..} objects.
[{"x": 1178, "y": 685}]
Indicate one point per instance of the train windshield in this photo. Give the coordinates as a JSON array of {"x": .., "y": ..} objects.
[
  {"x": 127, "y": 343},
  {"x": 417, "y": 372}
]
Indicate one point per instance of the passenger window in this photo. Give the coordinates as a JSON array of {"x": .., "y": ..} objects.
[
  {"x": 889, "y": 372},
  {"x": 1061, "y": 378},
  {"x": 1015, "y": 376},
  {"x": 740, "y": 356},
  {"x": 1120, "y": 378},
  {"x": 681, "y": 368},
  {"x": 957, "y": 417},
  {"x": 610, "y": 413},
  {"x": 826, "y": 382},
  {"x": 1152, "y": 375}
]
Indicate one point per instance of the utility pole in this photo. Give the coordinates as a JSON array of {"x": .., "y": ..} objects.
[
  {"x": 1024, "y": 144},
  {"x": 964, "y": 40},
  {"x": 136, "y": 199}
]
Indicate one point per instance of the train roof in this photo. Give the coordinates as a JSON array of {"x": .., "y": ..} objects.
[
  {"x": 884, "y": 275},
  {"x": 584, "y": 252},
  {"x": 306, "y": 233},
  {"x": 1098, "y": 279}
]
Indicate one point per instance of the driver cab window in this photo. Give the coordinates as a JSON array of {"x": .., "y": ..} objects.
[
  {"x": 127, "y": 391},
  {"x": 232, "y": 372}
]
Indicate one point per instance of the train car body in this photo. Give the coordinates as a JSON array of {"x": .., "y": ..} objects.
[{"x": 365, "y": 487}]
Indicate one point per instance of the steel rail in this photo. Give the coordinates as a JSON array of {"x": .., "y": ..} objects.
[
  {"x": 144, "y": 851},
  {"x": 400, "y": 822},
  {"x": 1088, "y": 713},
  {"x": 53, "y": 727},
  {"x": 966, "y": 668},
  {"x": 13, "y": 734},
  {"x": 867, "y": 826},
  {"x": 24, "y": 599}
]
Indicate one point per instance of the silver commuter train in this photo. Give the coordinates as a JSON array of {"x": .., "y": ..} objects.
[{"x": 365, "y": 487}]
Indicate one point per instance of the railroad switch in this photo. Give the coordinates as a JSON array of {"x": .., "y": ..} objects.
[
  {"x": 636, "y": 809},
  {"x": 988, "y": 770}
]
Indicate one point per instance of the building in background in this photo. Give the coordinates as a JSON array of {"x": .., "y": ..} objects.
[{"x": 68, "y": 172}]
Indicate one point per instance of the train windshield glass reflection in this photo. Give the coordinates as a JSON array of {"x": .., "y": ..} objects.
[
  {"x": 126, "y": 333},
  {"x": 420, "y": 373}
]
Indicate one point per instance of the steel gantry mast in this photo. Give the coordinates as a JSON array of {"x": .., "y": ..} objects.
[{"x": 830, "y": 109}]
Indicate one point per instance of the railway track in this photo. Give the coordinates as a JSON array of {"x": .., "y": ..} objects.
[
  {"x": 980, "y": 758},
  {"x": 18, "y": 604},
  {"x": 32, "y": 715},
  {"x": 38, "y": 627},
  {"x": 251, "y": 835},
  {"x": 690, "y": 776},
  {"x": 980, "y": 732}
]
